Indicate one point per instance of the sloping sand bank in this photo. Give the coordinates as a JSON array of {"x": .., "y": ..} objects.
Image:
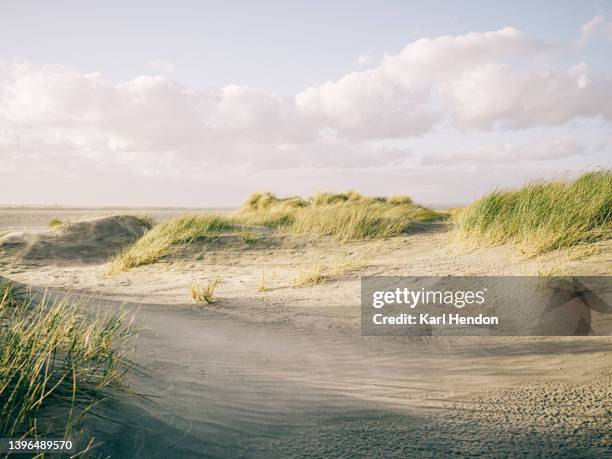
[
  {"x": 218, "y": 386},
  {"x": 86, "y": 242},
  {"x": 285, "y": 372}
]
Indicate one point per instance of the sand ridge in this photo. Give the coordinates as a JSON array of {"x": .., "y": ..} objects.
[{"x": 286, "y": 370}]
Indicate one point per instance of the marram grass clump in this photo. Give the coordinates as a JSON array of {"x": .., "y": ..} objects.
[
  {"x": 161, "y": 239},
  {"x": 54, "y": 356},
  {"x": 201, "y": 293},
  {"x": 322, "y": 272},
  {"x": 344, "y": 216},
  {"x": 55, "y": 224},
  {"x": 543, "y": 216}
]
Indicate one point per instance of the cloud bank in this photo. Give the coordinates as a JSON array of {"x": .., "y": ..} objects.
[{"x": 491, "y": 81}]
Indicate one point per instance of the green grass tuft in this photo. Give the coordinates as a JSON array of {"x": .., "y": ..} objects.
[
  {"x": 161, "y": 239},
  {"x": 544, "y": 216},
  {"x": 55, "y": 356},
  {"x": 55, "y": 224}
]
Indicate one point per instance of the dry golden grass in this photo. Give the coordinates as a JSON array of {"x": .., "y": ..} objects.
[
  {"x": 309, "y": 277},
  {"x": 318, "y": 273},
  {"x": 261, "y": 286},
  {"x": 205, "y": 293},
  {"x": 343, "y": 216},
  {"x": 248, "y": 237}
]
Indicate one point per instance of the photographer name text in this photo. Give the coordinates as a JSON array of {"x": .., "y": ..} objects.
[{"x": 428, "y": 319}]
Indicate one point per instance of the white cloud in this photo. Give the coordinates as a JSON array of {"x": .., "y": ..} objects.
[
  {"x": 508, "y": 153},
  {"x": 155, "y": 125},
  {"x": 496, "y": 94},
  {"x": 478, "y": 80},
  {"x": 593, "y": 27}
]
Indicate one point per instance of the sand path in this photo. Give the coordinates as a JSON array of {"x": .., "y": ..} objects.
[{"x": 221, "y": 386}]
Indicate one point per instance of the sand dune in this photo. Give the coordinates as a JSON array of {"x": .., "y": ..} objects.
[
  {"x": 286, "y": 372},
  {"x": 87, "y": 242}
]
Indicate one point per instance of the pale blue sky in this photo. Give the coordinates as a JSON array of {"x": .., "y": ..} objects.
[
  {"x": 517, "y": 91},
  {"x": 281, "y": 46}
]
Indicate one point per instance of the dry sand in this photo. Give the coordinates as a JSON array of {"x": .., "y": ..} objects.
[{"x": 285, "y": 372}]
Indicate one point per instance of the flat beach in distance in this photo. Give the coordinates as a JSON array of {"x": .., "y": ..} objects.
[
  {"x": 15, "y": 218},
  {"x": 29, "y": 218}
]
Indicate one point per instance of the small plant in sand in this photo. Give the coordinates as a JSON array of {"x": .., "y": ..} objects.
[
  {"x": 248, "y": 237},
  {"x": 261, "y": 287},
  {"x": 544, "y": 216},
  {"x": 205, "y": 293},
  {"x": 55, "y": 357},
  {"x": 319, "y": 273},
  {"x": 55, "y": 224},
  {"x": 309, "y": 277},
  {"x": 564, "y": 270}
]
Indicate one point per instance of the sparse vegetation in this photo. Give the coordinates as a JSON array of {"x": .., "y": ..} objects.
[
  {"x": 344, "y": 216},
  {"x": 8, "y": 294},
  {"x": 319, "y": 273},
  {"x": 146, "y": 220},
  {"x": 160, "y": 240},
  {"x": 53, "y": 355},
  {"x": 543, "y": 216},
  {"x": 248, "y": 237},
  {"x": 205, "y": 294},
  {"x": 309, "y": 277},
  {"x": 261, "y": 287},
  {"x": 55, "y": 224}
]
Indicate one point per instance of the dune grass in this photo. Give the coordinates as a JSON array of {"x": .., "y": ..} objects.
[
  {"x": 543, "y": 216},
  {"x": 205, "y": 294},
  {"x": 261, "y": 286},
  {"x": 55, "y": 224},
  {"x": 319, "y": 273},
  {"x": 161, "y": 239},
  {"x": 54, "y": 356},
  {"x": 344, "y": 216},
  {"x": 265, "y": 209},
  {"x": 248, "y": 237},
  {"x": 145, "y": 220},
  {"x": 359, "y": 220},
  {"x": 309, "y": 277}
]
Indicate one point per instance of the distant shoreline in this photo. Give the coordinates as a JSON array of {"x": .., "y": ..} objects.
[
  {"x": 103, "y": 208},
  {"x": 35, "y": 207}
]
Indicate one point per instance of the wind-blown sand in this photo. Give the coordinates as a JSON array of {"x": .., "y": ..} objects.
[{"x": 286, "y": 372}]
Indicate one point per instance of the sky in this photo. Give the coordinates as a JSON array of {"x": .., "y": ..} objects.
[{"x": 198, "y": 104}]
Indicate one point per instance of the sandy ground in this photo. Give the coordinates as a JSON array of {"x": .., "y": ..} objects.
[{"x": 285, "y": 372}]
